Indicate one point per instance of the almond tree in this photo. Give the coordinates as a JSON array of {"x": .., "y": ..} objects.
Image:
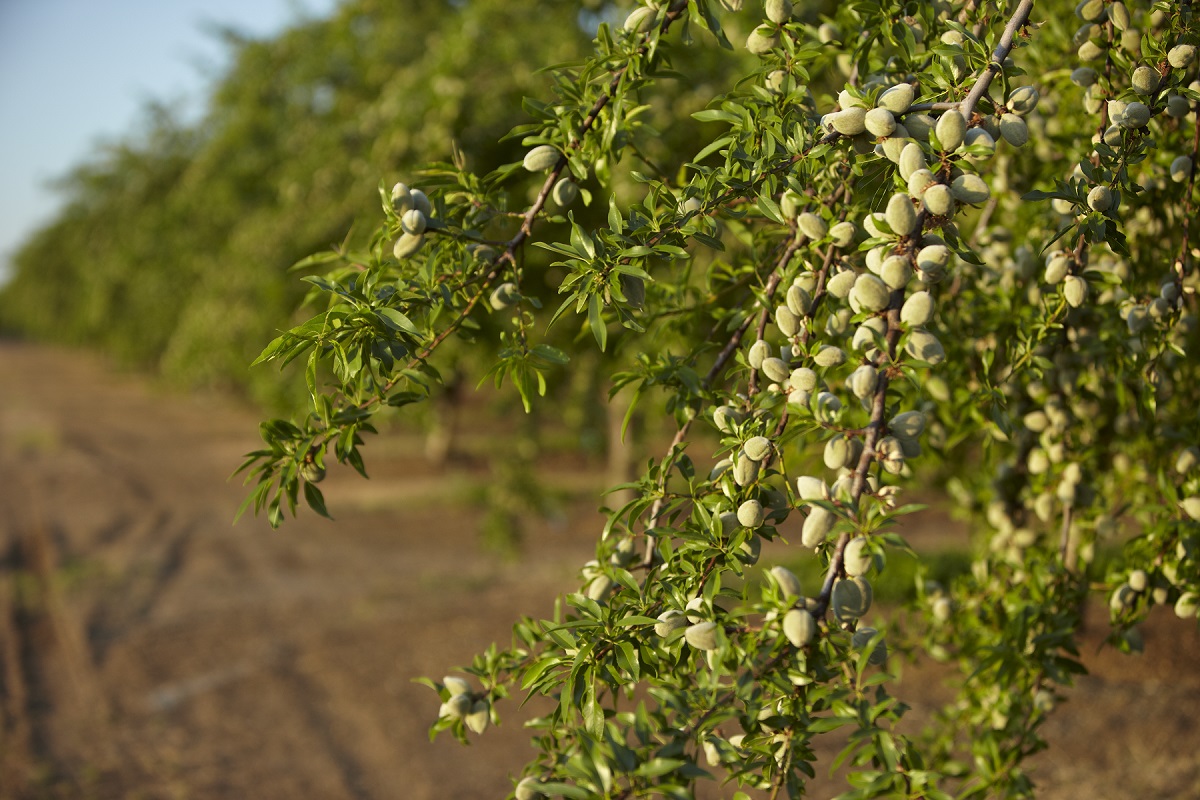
[{"x": 923, "y": 240}]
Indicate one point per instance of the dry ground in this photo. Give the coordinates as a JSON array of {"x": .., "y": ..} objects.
[{"x": 150, "y": 649}]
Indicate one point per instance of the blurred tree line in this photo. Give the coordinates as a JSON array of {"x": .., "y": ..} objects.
[{"x": 173, "y": 247}]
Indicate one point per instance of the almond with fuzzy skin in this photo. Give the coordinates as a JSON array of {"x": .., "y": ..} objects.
[
  {"x": 702, "y": 635},
  {"x": 640, "y": 20},
  {"x": 1181, "y": 56},
  {"x": 812, "y": 226},
  {"x": 1181, "y": 169},
  {"x": 969, "y": 188},
  {"x": 855, "y": 558},
  {"x": 810, "y": 488},
  {"x": 565, "y": 192},
  {"x": 541, "y": 158},
  {"x": 851, "y": 599},
  {"x": 880, "y": 122},
  {"x": 1075, "y": 290},
  {"x": 912, "y": 158},
  {"x": 778, "y": 11},
  {"x": 863, "y": 381},
  {"x": 919, "y": 182},
  {"x": 817, "y": 526},
  {"x": 776, "y": 369},
  {"x": 750, "y": 514},
  {"x": 799, "y": 302},
  {"x": 900, "y": 215},
  {"x": 787, "y": 322},
  {"x": 413, "y": 222},
  {"x": 1100, "y": 198},
  {"x": 862, "y": 637},
  {"x": 896, "y": 272},
  {"x": 917, "y": 310},
  {"x": 757, "y": 448},
  {"x": 829, "y": 356},
  {"x": 670, "y": 621},
  {"x": 799, "y": 627},
  {"x": 924, "y": 346},
  {"x": 870, "y": 292},
  {"x": 938, "y": 200},
  {"x": 457, "y": 707},
  {"x": 479, "y": 716},
  {"x": 842, "y": 234},
  {"x": 897, "y": 99},
  {"x": 504, "y": 296},
  {"x": 850, "y": 121},
  {"x": 401, "y": 198},
  {"x": 456, "y": 685},
  {"x": 950, "y": 129},
  {"x": 789, "y": 584},
  {"x": 762, "y": 40},
  {"x": 1022, "y": 100},
  {"x": 759, "y": 352}
]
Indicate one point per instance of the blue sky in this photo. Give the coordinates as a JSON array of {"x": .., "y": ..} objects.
[{"x": 76, "y": 72}]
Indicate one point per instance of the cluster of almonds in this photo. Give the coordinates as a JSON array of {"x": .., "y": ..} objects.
[
  {"x": 414, "y": 210},
  {"x": 462, "y": 704},
  {"x": 544, "y": 158}
]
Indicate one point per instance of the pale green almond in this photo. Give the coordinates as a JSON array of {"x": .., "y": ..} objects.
[
  {"x": 788, "y": 583},
  {"x": 896, "y": 272},
  {"x": 969, "y": 188},
  {"x": 897, "y": 99},
  {"x": 924, "y": 346},
  {"x": 917, "y": 310},
  {"x": 799, "y": 627},
  {"x": 951, "y": 127},
  {"x": 541, "y": 158},
  {"x": 900, "y": 215}
]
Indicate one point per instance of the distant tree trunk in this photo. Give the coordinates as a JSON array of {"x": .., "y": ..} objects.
[{"x": 442, "y": 434}]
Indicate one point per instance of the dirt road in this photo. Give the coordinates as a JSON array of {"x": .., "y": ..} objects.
[{"x": 150, "y": 649}]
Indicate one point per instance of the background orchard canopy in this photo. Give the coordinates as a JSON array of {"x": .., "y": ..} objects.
[{"x": 843, "y": 252}]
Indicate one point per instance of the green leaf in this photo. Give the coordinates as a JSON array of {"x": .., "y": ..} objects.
[{"x": 596, "y": 321}]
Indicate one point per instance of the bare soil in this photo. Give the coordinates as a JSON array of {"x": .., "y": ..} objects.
[{"x": 151, "y": 649}]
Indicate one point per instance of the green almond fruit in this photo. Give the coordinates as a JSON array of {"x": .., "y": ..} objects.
[
  {"x": 401, "y": 198},
  {"x": 479, "y": 716},
  {"x": 880, "y": 122},
  {"x": 1187, "y": 460},
  {"x": 969, "y": 188},
  {"x": 938, "y": 200},
  {"x": 1181, "y": 169},
  {"x": 950, "y": 129},
  {"x": 1090, "y": 51},
  {"x": 799, "y": 302},
  {"x": 810, "y": 488},
  {"x": 842, "y": 234},
  {"x": 456, "y": 707},
  {"x": 799, "y": 627},
  {"x": 803, "y": 378},
  {"x": 421, "y": 203},
  {"x": 1090, "y": 10},
  {"x": 1083, "y": 76},
  {"x": 407, "y": 245},
  {"x": 787, "y": 581},
  {"x": 919, "y": 182},
  {"x": 1022, "y": 100},
  {"x": 745, "y": 470},
  {"x": 640, "y": 20},
  {"x": 896, "y": 272},
  {"x": 812, "y": 226},
  {"x": 541, "y": 158},
  {"x": 900, "y": 215},
  {"x": 759, "y": 352},
  {"x": 943, "y": 609},
  {"x": 1187, "y": 605},
  {"x": 917, "y": 310},
  {"x": 312, "y": 472},
  {"x": 413, "y": 222},
  {"x": 506, "y": 295},
  {"x": 850, "y": 121},
  {"x": 863, "y": 381},
  {"x": 750, "y": 513},
  {"x": 912, "y": 159},
  {"x": 924, "y": 346},
  {"x": 837, "y": 452},
  {"x": 1138, "y": 580},
  {"x": 908, "y": 425},
  {"x": 456, "y": 685},
  {"x": 1145, "y": 80},
  {"x": 817, "y": 526},
  {"x": 1075, "y": 290},
  {"x": 897, "y": 99},
  {"x": 893, "y": 147},
  {"x": 757, "y": 448},
  {"x": 725, "y": 418},
  {"x": 702, "y": 635},
  {"x": 778, "y": 11},
  {"x": 867, "y": 334},
  {"x": 920, "y": 126},
  {"x": 828, "y": 34},
  {"x": 1100, "y": 198},
  {"x": 978, "y": 138},
  {"x": 850, "y": 599},
  {"x": 762, "y": 40},
  {"x": 840, "y": 284},
  {"x": 670, "y": 621},
  {"x": 856, "y": 558},
  {"x": 1137, "y": 115},
  {"x": 1118, "y": 15},
  {"x": 829, "y": 356},
  {"x": 787, "y": 322},
  {"x": 1191, "y": 507},
  {"x": 790, "y": 204},
  {"x": 1181, "y": 56},
  {"x": 870, "y": 292},
  {"x": 565, "y": 192},
  {"x": 1178, "y": 106},
  {"x": 776, "y": 369},
  {"x": 1014, "y": 130},
  {"x": 599, "y": 587},
  {"x": 1057, "y": 267}
]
